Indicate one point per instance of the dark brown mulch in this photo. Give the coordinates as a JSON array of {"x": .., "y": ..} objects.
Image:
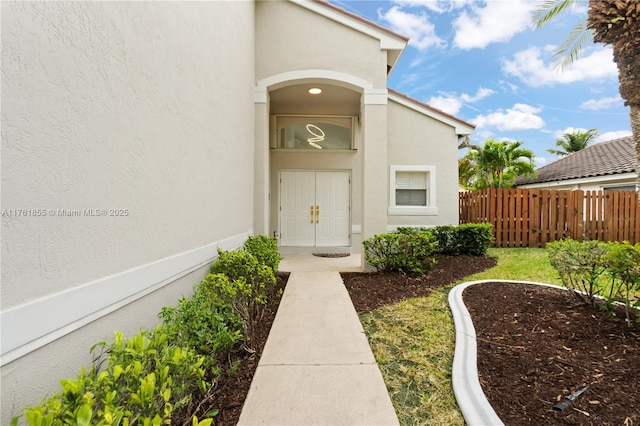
[
  {"x": 231, "y": 389},
  {"x": 373, "y": 290},
  {"x": 368, "y": 291},
  {"x": 536, "y": 345}
]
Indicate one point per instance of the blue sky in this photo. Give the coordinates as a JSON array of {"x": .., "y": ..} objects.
[{"x": 483, "y": 62}]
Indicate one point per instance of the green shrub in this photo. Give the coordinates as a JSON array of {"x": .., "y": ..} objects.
[
  {"x": 240, "y": 280},
  {"x": 240, "y": 264},
  {"x": 580, "y": 266},
  {"x": 204, "y": 322},
  {"x": 623, "y": 265},
  {"x": 475, "y": 238},
  {"x": 144, "y": 381},
  {"x": 265, "y": 249},
  {"x": 409, "y": 251},
  {"x": 445, "y": 235},
  {"x": 153, "y": 375},
  {"x": 467, "y": 239}
]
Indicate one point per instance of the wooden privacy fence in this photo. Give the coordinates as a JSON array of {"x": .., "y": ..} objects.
[{"x": 534, "y": 217}]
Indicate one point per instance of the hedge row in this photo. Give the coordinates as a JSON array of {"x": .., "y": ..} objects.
[
  {"x": 159, "y": 376},
  {"x": 412, "y": 250}
]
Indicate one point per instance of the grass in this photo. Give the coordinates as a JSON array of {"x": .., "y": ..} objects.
[{"x": 413, "y": 341}]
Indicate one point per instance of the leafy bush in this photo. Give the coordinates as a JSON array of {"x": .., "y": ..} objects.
[
  {"x": 409, "y": 251},
  {"x": 265, "y": 249},
  {"x": 475, "y": 238},
  {"x": 144, "y": 381},
  {"x": 623, "y": 265},
  {"x": 580, "y": 265},
  {"x": 466, "y": 239},
  {"x": 204, "y": 322},
  {"x": 240, "y": 280},
  {"x": 150, "y": 377}
]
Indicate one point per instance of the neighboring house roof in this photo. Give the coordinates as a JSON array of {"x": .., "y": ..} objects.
[
  {"x": 462, "y": 127},
  {"x": 603, "y": 159}
]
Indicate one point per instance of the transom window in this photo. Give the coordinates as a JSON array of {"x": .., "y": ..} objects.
[
  {"x": 314, "y": 132},
  {"x": 412, "y": 191}
]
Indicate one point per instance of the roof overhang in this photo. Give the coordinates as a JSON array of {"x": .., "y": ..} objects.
[
  {"x": 604, "y": 180},
  {"x": 390, "y": 41},
  {"x": 462, "y": 128}
]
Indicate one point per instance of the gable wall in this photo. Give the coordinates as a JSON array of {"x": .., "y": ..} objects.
[
  {"x": 289, "y": 38},
  {"x": 144, "y": 107},
  {"x": 415, "y": 139}
]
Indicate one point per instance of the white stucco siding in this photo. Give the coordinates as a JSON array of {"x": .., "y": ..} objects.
[
  {"x": 139, "y": 106},
  {"x": 289, "y": 37},
  {"x": 417, "y": 140},
  {"x": 142, "y": 108}
]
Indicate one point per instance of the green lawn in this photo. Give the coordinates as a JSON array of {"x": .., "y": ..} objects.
[{"x": 413, "y": 341}]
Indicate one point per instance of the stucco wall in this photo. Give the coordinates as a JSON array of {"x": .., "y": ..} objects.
[
  {"x": 415, "y": 139},
  {"x": 289, "y": 37},
  {"x": 144, "y": 110}
]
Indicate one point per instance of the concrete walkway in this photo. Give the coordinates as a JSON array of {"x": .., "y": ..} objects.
[{"x": 317, "y": 367}]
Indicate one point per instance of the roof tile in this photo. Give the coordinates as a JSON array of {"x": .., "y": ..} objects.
[{"x": 606, "y": 158}]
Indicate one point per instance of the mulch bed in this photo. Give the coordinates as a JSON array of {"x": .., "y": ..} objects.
[
  {"x": 231, "y": 389},
  {"x": 537, "y": 345},
  {"x": 367, "y": 291},
  {"x": 370, "y": 291}
]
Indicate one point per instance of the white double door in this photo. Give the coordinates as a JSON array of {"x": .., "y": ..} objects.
[{"x": 314, "y": 208}]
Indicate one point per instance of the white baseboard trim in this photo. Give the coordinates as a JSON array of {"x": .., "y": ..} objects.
[{"x": 28, "y": 327}]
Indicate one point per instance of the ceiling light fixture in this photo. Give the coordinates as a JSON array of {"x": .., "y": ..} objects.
[
  {"x": 319, "y": 137},
  {"x": 315, "y": 90}
]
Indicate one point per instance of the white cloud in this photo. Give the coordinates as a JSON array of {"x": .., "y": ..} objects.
[
  {"x": 519, "y": 117},
  {"x": 539, "y": 161},
  {"x": 421, "y": 32},
  {"x": 482, "y": 93},
  {"x": 529, "y": 66},
  {"x": 608, "y": 136},
  {"x": 497, "y": 21},
  {"x": 560, "y": 133},
  {"x": 451, "y": 102},
  {"x": 438, "y": 6},
  {"x": 602, "y": 103},
  {"x": 507, "y": 86}
]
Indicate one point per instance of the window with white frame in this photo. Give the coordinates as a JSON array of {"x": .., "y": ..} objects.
[
  {"x": 315, "y": 132},
  {"x": 412, "y": 190}
]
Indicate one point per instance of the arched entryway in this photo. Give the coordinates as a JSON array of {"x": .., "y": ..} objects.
[{"x": 310, "y": 148}]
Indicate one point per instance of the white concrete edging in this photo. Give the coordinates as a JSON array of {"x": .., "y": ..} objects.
[{"x": 474, "y": 405}]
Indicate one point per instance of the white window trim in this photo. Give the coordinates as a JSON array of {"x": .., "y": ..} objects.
[{"x": 431, "y": 210}]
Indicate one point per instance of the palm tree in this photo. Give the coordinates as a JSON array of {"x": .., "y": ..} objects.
[
  {"x": 615, "y": 23},
  {"x": 573, "y": 142},
  {"x": 466, "y": 172},
  {"x": 496, "y": 164}
]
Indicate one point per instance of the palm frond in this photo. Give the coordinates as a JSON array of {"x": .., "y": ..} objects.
[
  {"x": 569, "y": 51},
  {"x": 548, "y": 10}
]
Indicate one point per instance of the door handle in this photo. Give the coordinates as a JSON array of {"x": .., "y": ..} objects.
[
  {"x": 317, "y": 214},
  {"x": 311, "y": 214}
]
